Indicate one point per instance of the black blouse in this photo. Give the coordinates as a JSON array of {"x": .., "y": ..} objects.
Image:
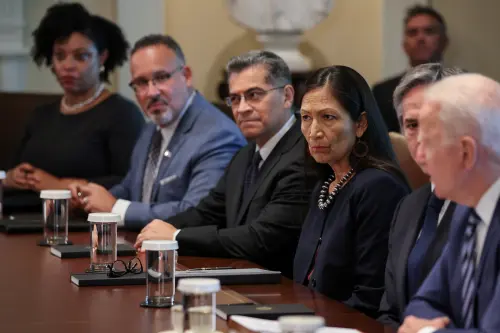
[
  {"x": 95, "y": 145},
  {"x": 345, "y": 246}
]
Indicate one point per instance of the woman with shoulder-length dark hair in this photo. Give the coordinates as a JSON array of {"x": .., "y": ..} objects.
[
  {"x": 343, "y": 246},
  {"x": 89, "y": 134}
]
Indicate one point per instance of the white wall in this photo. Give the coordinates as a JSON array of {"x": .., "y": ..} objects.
[{"x": 473, "y": 28}]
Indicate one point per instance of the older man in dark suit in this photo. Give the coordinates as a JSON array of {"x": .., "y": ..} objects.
[
  {"x": 257, "y": 209},
  {"x": 421, "y": 221},
  {"x": 459, "y": 144}
]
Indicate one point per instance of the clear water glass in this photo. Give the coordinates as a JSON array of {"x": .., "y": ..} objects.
[
  {"x": 55, "y": 216},
  {"x": 103, "y": 238}
]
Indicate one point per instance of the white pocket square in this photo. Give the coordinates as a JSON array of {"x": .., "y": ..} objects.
[{"x": 167, "y": 180}]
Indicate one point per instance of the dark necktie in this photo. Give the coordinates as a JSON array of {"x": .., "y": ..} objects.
[
  {"x": 152, "y": 163},
  {"x": 468, "y": 263},
  {"x": 422, "y": 244},
  {"x": 252, "y": 172}
]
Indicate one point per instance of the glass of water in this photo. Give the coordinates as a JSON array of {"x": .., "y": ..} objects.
[
  {"x": 55, "y": 216},
  {"x": 198, "y": 301},
  {"x": 161, "y": 258},
  {"x": 103, "y": 234}
]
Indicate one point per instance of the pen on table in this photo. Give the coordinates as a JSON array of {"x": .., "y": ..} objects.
[{"x": 209, "y": 268}]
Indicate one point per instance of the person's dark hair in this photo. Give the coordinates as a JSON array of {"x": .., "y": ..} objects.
[
  {"x": 158, "y": 39},
  {"x": 63, "y": 19},
  {"x": 425, "y": 10},
  {"x": 278, "y": 73},
  {"x": 353, "y": 93}
]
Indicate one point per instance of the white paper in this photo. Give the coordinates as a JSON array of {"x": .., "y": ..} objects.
[
  {"x": 272, "y": 326},
  {"x": 336, "y": 330},
  {"x": 257, "y": 324}
]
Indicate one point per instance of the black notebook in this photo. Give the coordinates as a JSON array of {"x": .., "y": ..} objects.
[
  {"x": 235, "y": 276},
  {"x": 33, "y": 223},
  {"x": 263, "y": 311},
  {"x": 102, "y": 279},
  {"x": 226, "y": 277},
  {"x": 83, "y": 251}
]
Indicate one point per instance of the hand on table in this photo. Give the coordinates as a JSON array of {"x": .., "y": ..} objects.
[{"x": 156, "y": 229}]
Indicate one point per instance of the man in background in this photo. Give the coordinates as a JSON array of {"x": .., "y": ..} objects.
[{"x": 425, "y": 40}]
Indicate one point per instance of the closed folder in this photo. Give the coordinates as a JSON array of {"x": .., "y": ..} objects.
[
  {"x": 226, "y": 277},
  {"x": 263, "y": 311},
  {"x": 31, "y": 223},
  {"x": 83, "y": 251},
  {"x": 102, "y": 279}
]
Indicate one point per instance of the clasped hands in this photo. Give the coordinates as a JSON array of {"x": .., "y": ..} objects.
[
  {"x": 413, "y": 324},
  {"x": 27, "y": 177}
]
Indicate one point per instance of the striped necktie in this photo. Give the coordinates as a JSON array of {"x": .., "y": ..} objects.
[
  {"x": 468, "y": 261},
  {"x": 151, "y": 166}
]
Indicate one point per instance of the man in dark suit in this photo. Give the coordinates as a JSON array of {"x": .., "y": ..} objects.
[
  {"x": 425, "y": 41},
  {"x": 180, "y": 155},
  {"x": 257, "y": 209},
  {"x": 461, "y": 152},
  {"x": 421, "y": 221}
]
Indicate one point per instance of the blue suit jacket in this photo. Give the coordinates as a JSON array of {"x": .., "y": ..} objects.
[
  {"x": 440, "y": 295},
  {"x": 200, "y": 149}
]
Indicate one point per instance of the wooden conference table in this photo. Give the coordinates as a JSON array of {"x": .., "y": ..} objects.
[{"x": 36, "y": 295}]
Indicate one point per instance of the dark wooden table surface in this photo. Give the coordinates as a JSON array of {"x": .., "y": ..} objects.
[{"x": 36, "y": 295}]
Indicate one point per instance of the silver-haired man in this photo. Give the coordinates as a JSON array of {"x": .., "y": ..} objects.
[
  {"x": 458, "y": 142},
  {"x": 421, "y": 221}
]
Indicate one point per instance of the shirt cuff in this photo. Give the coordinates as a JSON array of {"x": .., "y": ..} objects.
[
  {"x": 176, "y": 233},
  {"x": 427, "y": 329},
  {"x": 120, "y": 207}
]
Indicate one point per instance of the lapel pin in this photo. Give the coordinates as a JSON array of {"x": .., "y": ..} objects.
[{"x": 167, "y": 153}]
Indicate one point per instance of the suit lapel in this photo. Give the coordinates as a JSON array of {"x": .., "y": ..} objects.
[
  {"x": 439, "y": 241},
  {"x": 492, "y": 237},
  {"x": 178, "y": 138},
  {"x": 236, "y": 184},
  {"x": 416, "y": 213},
  {"x": 284, "y": 145}
]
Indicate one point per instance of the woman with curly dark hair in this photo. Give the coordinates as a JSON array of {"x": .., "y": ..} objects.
[{"x": 89, "y": 134}]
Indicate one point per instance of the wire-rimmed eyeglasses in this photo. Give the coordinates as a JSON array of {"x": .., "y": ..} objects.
[
  {"x": 141, "y": 85},
  {"x": 120, "y": 268},
  {"x": 251, "y": 96}
]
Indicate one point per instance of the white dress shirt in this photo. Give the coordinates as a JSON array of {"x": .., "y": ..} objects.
[
  {"x": 443, "y": 209},
  {"x": 485, "y": 209},
  {"x": 267, "y": 148},
  {"x": 121, "y": 205}
]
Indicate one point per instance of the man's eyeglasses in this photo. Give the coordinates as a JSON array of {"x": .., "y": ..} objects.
[
  {"x": 120, "y": 268},
  {"x": 141, "y": 85},
  {"x": 252, "y": 96}
]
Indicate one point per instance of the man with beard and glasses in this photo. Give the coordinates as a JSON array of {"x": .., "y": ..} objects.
[
  {"x": 425, "y": 40},
  {"x": 181, "y": 155}
]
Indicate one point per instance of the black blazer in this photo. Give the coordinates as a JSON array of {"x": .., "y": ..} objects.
[
  {"x": 406, "y": 226},
  {"x": 349, "y": 265},
  {"x": 383, "y": 95},
  {"x": 264, "y": 226}
]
